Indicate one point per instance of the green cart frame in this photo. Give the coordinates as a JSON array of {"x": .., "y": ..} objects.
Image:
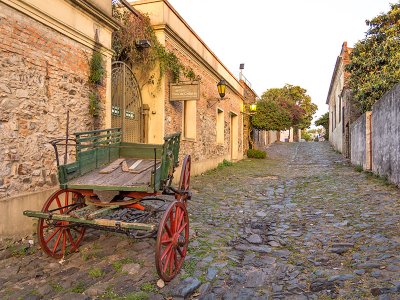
[{"x": 117, "y": 186}]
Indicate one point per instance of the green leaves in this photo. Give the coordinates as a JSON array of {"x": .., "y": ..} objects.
[
  {"x": 282, "y": 108},
  {"x": 324, "y": 122},
  {"x": 375, "y": 61},
  {"x": 97, "y": 70}
]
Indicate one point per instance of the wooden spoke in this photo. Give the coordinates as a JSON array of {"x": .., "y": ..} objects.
[
  {"x": 182, "y": 228},
  {"x": 71, "y": 240},
  {"x": 52, "y": 235},
  {"x": 166, "y": 251},
  {"x": 59, "y": 205},
  {"x": 57, "y": 242},
  {"x": 168, "y": 230}
]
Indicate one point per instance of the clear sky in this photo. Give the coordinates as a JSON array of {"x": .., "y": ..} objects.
[{"x": 281, "y": 41}]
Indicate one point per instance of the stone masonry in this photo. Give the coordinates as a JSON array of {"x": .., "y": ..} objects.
[
  {"x": 43, "y": 74},
  {"x": 205, "y": 145}
]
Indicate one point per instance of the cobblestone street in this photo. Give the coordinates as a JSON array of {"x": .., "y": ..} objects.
[{"x": 301, "y": 224}]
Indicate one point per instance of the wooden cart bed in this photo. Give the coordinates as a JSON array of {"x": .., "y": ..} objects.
[
  {"x": 104, "y": 162},
  {"x": 118, "y": 177}
]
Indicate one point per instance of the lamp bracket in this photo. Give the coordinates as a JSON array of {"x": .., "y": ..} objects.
[
  {"x": 212, "y": 102},
  {"x": 248, "y": 114}
]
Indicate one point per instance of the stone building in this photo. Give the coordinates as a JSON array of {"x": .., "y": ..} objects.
[
  {"x": 341, "y": 108},
  {"x": 44, "y": 55},
  {"x": 212, "y": 129},
  {"x": 249, "y": 98}
]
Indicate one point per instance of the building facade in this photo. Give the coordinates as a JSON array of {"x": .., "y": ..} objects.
[
  {"x": 44, "y": 56},
  {"x": 212, "y": 129},
  {"x": 339, "y": 97}
]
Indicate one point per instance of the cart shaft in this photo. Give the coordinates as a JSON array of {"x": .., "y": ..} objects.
[{"x": 98, "y": 222}]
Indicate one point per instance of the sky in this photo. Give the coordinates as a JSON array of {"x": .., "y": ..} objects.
[{"x": 281, "y": 41}]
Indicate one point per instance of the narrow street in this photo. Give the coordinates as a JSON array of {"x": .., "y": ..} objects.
[{"x": 301, "y": 224}]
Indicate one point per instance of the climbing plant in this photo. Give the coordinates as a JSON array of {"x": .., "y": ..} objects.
[
  {"x": 96, "y": 74},
  {"x": 146, "y": 60}
]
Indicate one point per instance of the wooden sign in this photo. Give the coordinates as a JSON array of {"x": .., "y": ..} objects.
[{"x": 184, "y": 91}]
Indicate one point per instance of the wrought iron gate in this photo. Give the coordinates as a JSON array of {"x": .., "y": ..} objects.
[{"x": 126, "y": 103}]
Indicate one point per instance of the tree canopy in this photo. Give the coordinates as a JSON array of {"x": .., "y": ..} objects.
[
  {"x": 282, "y": 108},
  {"x": 324, "y": 122},
  {"x": 375, "y": 60}
]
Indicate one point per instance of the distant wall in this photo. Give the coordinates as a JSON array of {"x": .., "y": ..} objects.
[
  {"x": 263, "y": 138},
  {"x": 358, "y": 141},
  {"x": 386, "y": 136}
]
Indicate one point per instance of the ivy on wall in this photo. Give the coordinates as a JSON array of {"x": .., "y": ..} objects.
[
  {"x": 96, "y": 75},
  {"x": 148, "y": 59}
]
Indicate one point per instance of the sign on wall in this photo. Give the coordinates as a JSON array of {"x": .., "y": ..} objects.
[{"x": 184, "y": 91}]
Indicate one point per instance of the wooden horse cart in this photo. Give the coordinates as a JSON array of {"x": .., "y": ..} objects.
[{"x": 118, "y": 186}]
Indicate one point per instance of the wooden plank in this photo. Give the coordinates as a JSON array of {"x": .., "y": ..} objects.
[
  {"x": 135, "y": 164},
  {"x": 116, "y": 129},
  {"x": 111, "y": 167},
  {"x": 145, "y": 166},
  {"x": 103, "y": 157},
  {"x": 124, "y": 166},
  {"x": 132, "y": 188},
  {"x": 87, "y": 161},
  {"x": 117, "y": 179}
]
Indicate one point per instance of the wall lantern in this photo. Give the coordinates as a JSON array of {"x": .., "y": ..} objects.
[
  {"x": 221, "y": 88},
  {"x": 142, "y": 44},
  {"x": 250, "y": 110}
]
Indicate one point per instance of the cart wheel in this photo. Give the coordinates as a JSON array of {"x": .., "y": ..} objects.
[
  {"x": 184, "y": 181},
  {"x": 57, "y": 238},
  {"x": 172, "y": 241}
]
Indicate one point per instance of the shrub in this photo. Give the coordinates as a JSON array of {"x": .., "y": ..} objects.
[
  {"x": 358, "y": 168},
  {"x": 254, "y": 153},
  {"x": 225, "y": 163}
]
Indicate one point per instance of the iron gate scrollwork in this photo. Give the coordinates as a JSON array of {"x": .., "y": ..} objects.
[{"x": 126, "y": 103}]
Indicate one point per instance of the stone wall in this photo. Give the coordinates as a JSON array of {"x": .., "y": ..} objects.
[
  {"x": 386, "y": 136},
  {"x": 351, "y": 113},
  {"x": 264, "y": 138},
  {"x": 43, "y": 74},
  {"x": 205, "y": 145},
  {"x": 358, "y": 141}
]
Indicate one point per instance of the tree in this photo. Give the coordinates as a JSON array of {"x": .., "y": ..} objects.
[
  {"x": 271, "y": 116},
  {"x": 375, "y": 60},
  {"x": 305, "y": 135},
  {"x": 282, "y": 108},
  {"x": 324, "y": 122}
]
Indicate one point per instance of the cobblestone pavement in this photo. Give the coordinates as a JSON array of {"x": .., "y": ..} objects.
[{"x": 302, "y": 224}]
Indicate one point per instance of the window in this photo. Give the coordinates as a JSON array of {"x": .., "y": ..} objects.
[
  {"x": 340, "y": 108},
  {"x": 220, "y": 126},
  {"x": 334, "y": 116},
  {"x": 189, "y": 119}
]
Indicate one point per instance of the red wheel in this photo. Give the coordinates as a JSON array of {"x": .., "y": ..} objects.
[
  {"x": 56, "y": 238},
  {"x": 172, "y": 241},
  {"x": 184, "y": 181}
]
